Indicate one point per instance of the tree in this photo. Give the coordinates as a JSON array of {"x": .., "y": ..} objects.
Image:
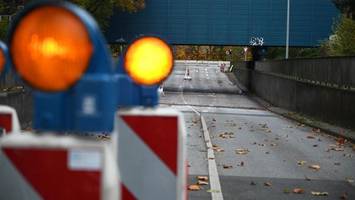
[
  {"x": 342, "y": 43},
  {"x": 102, "y": 10},
  {"x": 347, "y": 7}
]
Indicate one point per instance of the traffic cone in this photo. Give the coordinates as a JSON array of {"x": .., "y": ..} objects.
[{"x": 187, "y": 74}]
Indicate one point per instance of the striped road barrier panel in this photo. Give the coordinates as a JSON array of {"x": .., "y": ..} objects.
[
  {"x": 57, "y": 167},
  {"x": 9, "y": 122},
  {"x": 152, "y": 154}
]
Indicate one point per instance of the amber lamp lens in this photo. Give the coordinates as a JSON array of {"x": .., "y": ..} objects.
[
  {"x": 2, "y": 61},
  {"x": 51, "y": 48},
  {"x": 149, "y": 60}
]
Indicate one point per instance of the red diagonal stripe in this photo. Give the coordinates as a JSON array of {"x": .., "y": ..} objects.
[
  {"x": 160, "y": 133},
  {"x": 47, "y": 171},
  {"x": 126, "y": 194}
]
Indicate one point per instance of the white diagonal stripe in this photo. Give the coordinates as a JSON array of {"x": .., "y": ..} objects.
[
  {"x": 12, "y": 184},
  {"x": 143, "y": 172}
]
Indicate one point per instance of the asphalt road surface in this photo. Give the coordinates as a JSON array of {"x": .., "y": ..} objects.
[{"x": 258, "y": 154}]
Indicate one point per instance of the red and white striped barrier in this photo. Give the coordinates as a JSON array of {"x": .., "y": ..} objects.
[
  {"x": 9, "y": 122},
  {"x": 152, "y": 154},
  {"x": 56, "y": 167}
]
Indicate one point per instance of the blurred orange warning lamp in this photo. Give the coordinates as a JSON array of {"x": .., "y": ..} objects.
[
  {"x": 51, "y": 48},
  {"x": 148, "y": 60},
  {"x": 2, "y": 60}
]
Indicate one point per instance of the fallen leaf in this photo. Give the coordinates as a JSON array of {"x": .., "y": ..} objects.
[
  {"x": 213, "y": 191},
  {"x": 214, "y": 119},
  {"x": 341, "y": 141},
  {"x": 316, "y": 130},
  {"x": 218, "y": 149},
  {"x": 194, "y": 187},
  {"x": 241, "y": 151},
  {"x": 315, "y": 167},
  {"x": 301, "y": 162},
  {"x": 226, "y": 135},
  {"x": 298, "y": 191},
  {"x": 310, "y": 137},
  {"x": 273, "y": 144},
  {"x": 263, "y": 125},
  {"x": 202, "y": 178},
  {"x": 286, "y": 191},
  {"x": 268, "y": 184},
  {"x": 202, "y": 182},
  {"x": 227, "y": 166},
  {"x": 347, "y": 155},
  {"x": 335, "y": 147},
  {"x": 302, "y": 125},
  {"x": 344, "y": 196},
  {"x": 319, "y": 193},
  {"x": 349, "y": 180},
  {"x": 315, "y": 145}
]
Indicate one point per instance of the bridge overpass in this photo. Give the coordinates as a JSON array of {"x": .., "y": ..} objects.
[{"x": 227, "y": 22}]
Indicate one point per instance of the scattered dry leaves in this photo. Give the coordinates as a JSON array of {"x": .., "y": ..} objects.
[{"x": 298, "y": 191}]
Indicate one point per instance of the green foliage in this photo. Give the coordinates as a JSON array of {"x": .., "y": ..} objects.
[
  {"x": 342, "y": 43},
  {"x": 347, "y": 7},
  {"x": 4, "y": 24},
  {"x": 102, "y": 10},
  {"x": 185, "y": 52}
]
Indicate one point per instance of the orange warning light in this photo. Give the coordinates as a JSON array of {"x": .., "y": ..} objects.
[
  {"x": 148, "y": 60},
  {"x": 2, "y": 60},
  {"x": 51, "y": 48}
]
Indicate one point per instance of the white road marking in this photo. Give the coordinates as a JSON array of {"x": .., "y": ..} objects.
[
  {"x": 215, "y": 185},
  {"x": 216, "y": 190}
]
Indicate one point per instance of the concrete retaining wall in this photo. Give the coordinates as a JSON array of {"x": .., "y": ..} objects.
[{"x": 321, "y": 88}]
